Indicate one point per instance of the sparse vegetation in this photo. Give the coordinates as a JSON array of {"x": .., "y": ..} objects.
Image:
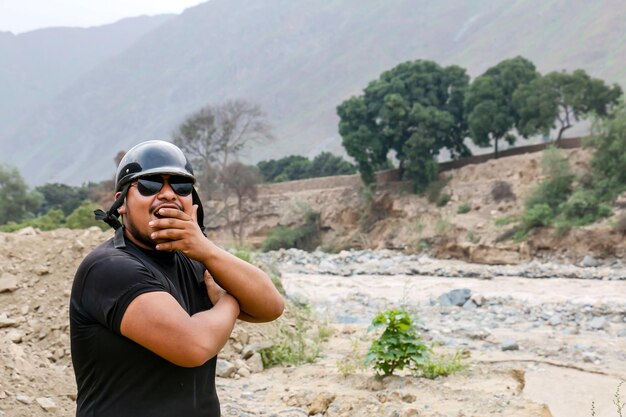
[
  {"x": 464, "y": 207},
  {"x": 306, "y": 236},
  {"x": 617, "y": 400},
  {"x": 441, "y": 365},
  {"x": 297, "y": 343}
]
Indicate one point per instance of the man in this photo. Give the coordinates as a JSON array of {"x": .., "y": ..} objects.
[{"x": 151, "y": 307}]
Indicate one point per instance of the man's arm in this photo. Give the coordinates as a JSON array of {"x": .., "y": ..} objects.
[
  {"x": 156, "y": 321},
  {"x": 258, "y": 298}
]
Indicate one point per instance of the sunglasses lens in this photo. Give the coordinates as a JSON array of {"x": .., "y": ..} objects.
[
  {"x": 149, "y": 186},
  {"x": 181, "y": 186}
]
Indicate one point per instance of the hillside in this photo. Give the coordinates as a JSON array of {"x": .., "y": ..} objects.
[
  {"x": 39, "y": 65},
  {"x": 404, "y": 221},
  {"x": 299, "y": 60}
]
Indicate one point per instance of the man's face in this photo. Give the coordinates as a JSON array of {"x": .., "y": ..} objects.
[{"x": 139, "y": 209}]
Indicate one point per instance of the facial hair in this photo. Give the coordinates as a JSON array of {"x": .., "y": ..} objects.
[{"x": 144, "y": 239}]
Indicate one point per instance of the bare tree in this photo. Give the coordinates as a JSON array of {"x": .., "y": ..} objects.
[
  {"x": 216, "y": 134},
  {"x": 241, "y": 181}
]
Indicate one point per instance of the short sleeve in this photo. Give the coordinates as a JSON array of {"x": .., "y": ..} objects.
[{"x": 111, "y": 284}]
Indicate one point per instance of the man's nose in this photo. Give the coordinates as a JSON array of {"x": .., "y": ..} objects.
[{"x": 166, "y": 192}]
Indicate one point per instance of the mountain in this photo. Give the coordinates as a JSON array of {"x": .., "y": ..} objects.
[
  {"x": 39, "y": 65},
  {"x": 298, "y": 60}
]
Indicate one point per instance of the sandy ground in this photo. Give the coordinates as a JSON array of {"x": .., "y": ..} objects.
[
  {"x": 567, "y": 392},
  {"x": 36, "y": 378}
]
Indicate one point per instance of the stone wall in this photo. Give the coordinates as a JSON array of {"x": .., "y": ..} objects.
[{"x": 393, "y": 175}]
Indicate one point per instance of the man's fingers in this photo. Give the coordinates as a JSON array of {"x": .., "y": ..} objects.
[
  {"x": 172, "y": 213},
  {"x": 194, "y": 213},
  {"x": 208, "y": 279}
]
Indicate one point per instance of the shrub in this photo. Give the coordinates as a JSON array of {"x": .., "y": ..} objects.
[
  {"x": 502, "y": 191},
  {"x": 83, "y": 218},
  {"x": 464, "y": 208},
  {"x": 557, "y": 186},
  {"x": 584, "y": 207},
  {"x": 552, "y": 192},
  {"x": 539, "y": 215},
  {"x": 400, "y": 345},
  {"x": 304, "y": 237},
  {"x": 443, "y": 199}
]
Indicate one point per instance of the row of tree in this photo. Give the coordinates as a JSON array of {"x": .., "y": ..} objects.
[
  {"x": 48, "y": 206},
  {"x": 415, "y": 110}
]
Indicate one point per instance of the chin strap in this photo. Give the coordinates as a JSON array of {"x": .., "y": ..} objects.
[
  {"x": 200, "y": 214},
  {"x": 111, "y": 217}
]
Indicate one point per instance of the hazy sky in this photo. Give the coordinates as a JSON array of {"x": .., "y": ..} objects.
[{"x": 19, "y": 16}]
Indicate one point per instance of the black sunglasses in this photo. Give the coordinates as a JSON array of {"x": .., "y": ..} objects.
[{"x": 148, "y": 186}]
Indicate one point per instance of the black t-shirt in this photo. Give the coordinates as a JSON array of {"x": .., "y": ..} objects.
[{"x": 117, "y": 377}]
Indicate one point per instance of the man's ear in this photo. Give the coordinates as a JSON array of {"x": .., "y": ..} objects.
[{"x": 122, "y": 208}]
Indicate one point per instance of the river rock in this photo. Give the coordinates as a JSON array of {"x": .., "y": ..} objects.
[
  {"x": 8, "y": 283},
  {"x": 224, "y": 369},
  {"x": 509, "y": 344}
]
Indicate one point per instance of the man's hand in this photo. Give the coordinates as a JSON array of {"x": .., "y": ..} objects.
[
  {"x": 213, "y": 289},
  {"x": 177, "y": 230}
]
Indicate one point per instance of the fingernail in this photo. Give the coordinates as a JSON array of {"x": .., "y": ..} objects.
[
  {"x": 151, "y": 223},
  {"x": 153, "y": 235}
]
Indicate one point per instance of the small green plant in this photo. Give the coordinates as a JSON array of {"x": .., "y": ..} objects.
[
  {"x": 465, "y": 207},
  {"x": 295, "y": 343},
  {"x": 441, "y": 365},
  {"x": 399, "y": 346},
  {"x": 443, "y": 199},
  {"x": 506, "y": 220},
  {"x": 472, "y": 237}
]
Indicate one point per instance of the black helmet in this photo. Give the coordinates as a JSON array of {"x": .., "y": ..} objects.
[
  {"x": 148, "y": 158},
  {"x": 152, "y": 157}
]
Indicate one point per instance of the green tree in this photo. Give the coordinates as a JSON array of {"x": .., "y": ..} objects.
[
  {"x": 491, "y": 113},
  {"x": 559, "y": 99},
  {"x": 326, "y": 164},
  {"x": 275, "y": 170},
  {"x": 16, "y": 201},
  {"x": 415, "y": 110},
  {"x": 61, "y": 196},
  {"x": 609, "y": 159}
]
